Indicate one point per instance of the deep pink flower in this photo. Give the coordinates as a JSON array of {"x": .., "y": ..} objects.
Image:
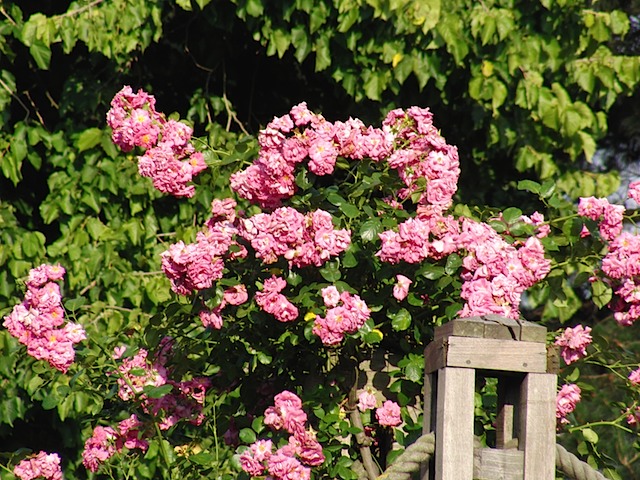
[
  {"x": 236, "y": 295},
  {"x": 566, "y": 401},
  {"x": 574, "y": 342}
]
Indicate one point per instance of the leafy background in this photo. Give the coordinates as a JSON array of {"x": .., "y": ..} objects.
[{"x": 526, "y": 90}]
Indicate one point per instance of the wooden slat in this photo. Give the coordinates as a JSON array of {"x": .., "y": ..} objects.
[
  {"x": 454, "y": 424},
  {"x": 486, "y": 354},
  {"x": 493, "y": 326},
  {"x": 429, "y": 418},
  {"x": 538, "y": 425},
  {"x": 492, "y": 464}
]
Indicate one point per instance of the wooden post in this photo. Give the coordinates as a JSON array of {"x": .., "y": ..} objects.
[
  {"x": 454, "y": 424},
  {"x": 515, "y": 353}
]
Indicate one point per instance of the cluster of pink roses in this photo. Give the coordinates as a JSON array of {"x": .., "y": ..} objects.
[
  {"x": 566, "y": 401},
  {"x": 106, "y": 441},
  {"x": 608, "y": 216},
  {"x": 303, "y": 135},
  {"x": 387, "y": 415},
  {"x": 346, "y": 314},
  {"x": 38, "y": 322},
  {"x": 621, "y": 264},
  {"x": 292, "y": 461},
  {"x": 420, "y": 154},
  {"x": 170, "y": 159},
  {"x": 43, "y": 465},
  {"x": 273, "y": 302},
  {"x": 574, "y": 342},
  {"x": 196, "y": 266},
  {"x": 136, "y": 375},
  {"x": 495, "y": 272},
  {"x": 302, "y": 239}
]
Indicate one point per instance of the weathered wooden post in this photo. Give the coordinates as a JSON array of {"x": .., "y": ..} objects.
[{"x": 515, "y": 353}]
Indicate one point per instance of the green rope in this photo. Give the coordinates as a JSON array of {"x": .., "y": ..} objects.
[{"x": 421, "y": 451}]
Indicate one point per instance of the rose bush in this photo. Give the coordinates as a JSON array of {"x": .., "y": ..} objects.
[{"x": 342, "y": 249}]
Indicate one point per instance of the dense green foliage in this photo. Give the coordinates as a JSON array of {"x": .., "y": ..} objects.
[{"x": 523, "y": 88}]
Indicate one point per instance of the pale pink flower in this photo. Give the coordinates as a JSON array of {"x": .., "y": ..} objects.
[
  {"x": 634, "y": 377},
  {"x": 574, "y": 342},
  {"x": 389, "y": 414},
  {"x": 401, "y": 288},
  {"x": 331, "y": 296},
  {"x": 366, "y": 401}
]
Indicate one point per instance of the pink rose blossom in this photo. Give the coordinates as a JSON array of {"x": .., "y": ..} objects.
[
  {"x": 236, "y": 295},
  {"x": 401, "y": 288},
  {"x": 38, "y": 322},
  {"x": 366, "y": 401},
  {"x": 566, "y": 400},
  {"x": 634, "y": 191},
  {"x": 43, "y": 465},
  {"x": 633, "y": 416},
  {"x": 574, "y": 342},
  {"x": 389, "y": 414}
]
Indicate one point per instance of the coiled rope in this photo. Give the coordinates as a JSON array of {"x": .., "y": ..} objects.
[{"x": 421, "y": 451}]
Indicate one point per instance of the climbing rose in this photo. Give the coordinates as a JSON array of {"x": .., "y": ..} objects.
[
  {"x": 366, "y": 401},
  {"x": 574, "y": 342},
  {"x": 389, "y": 414},
  {"x": 634, "y": 191},
  {"x": 401, "y": 288},
  {"x": 38, "y": 322},
  {"x": 566, "y": 401},
  {"x": 43, "y": 465},
  {"x": 634, "y": 377}
]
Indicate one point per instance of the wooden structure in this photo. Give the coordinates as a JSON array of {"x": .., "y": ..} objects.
[{"x": 515, "y": 353}]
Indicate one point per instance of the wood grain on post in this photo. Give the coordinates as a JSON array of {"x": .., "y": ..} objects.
[{"x": 454, "y": 424}]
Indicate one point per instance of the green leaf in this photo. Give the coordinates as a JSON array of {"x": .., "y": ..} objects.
[
  {"x": 89, "y": 139},
  {"x": 431, "y": 272},
  {"x": 400, "y": 320},
  {"x": 453, "y": 263},
  {"x": 331, "y": 272},
  {"x": 41, "y": 53},
  {"x": 370, "y": 229},
  {"x": 203, "y": 3},
  {"x": 157, "y": 392},
  {"x": 590, "y": 435},
  {"x": 203, "y": 458},
  {"x": 247, "y": 435},
  {"x": 602, "y": 293},
  {"x": 529, "y": 185},
  {"x": 511, "y": 214},
  {"x": 185, "y": 5}
]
